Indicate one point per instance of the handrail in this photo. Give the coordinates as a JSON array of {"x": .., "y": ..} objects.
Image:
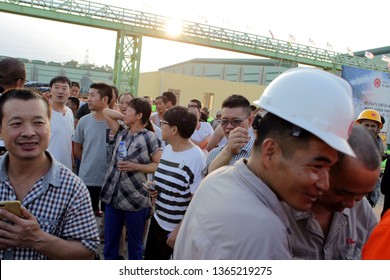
[{"x": 149, "y": 24}]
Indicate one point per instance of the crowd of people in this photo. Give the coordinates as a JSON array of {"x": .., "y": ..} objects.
[{"x": 292, "y": 176}]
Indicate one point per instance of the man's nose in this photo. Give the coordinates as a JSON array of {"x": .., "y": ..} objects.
[
  {"x": 28, "y": 131},
  {"x": 323, "y": 180}
]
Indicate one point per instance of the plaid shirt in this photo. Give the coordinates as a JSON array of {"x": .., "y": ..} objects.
[
  {"x": 245, "y": 152},
  {"x": 60, "y": 202},
  {"x": 124, "y": 190}
]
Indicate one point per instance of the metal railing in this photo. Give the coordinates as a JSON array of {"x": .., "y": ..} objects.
[{"x": 147, "y": 24}]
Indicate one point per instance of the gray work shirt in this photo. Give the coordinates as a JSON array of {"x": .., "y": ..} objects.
[
  {"x": 233, "y": 215},
  {"x": 348, "y": 232}
]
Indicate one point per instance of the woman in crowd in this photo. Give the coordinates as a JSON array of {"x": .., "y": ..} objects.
[{"x": 125, "y": 197}]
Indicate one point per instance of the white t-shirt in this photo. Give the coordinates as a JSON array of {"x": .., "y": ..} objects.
[
  {"x": 157, "y": 131},
  {"x": 61, "y": 132},
  {"x": 178, "y": 175},
  {"x": 204, "y": 131}
]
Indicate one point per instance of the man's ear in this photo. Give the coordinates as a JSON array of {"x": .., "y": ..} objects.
[
  {"x": 19, "y": 83},
  {"x": 250, "y": 120},
  {"x": 269, "y": 149},
  {"x": 174, "y": 130}
]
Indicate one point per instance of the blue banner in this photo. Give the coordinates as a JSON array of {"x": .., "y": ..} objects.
[{"x": 371, "y": 90}]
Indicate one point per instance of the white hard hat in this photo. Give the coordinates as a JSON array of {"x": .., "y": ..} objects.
[{"x": 314, "y": 100}]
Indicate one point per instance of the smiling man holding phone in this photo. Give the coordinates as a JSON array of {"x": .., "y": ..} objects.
[{"x": 57, "y": 221}]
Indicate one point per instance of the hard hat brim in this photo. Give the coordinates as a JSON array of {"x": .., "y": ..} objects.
[{"x": 336, "y": 142}]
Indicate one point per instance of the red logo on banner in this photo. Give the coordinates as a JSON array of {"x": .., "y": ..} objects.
[{"x": 377, "y": 82}]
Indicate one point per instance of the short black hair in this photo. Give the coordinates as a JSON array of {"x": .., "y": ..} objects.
[
  {"x": 289, "y": 136},
  {"x": 103, "y": 90},
  {"x": 60, "y": 79},
  {"x": 74, "y": 84},
  {"x": 22, "y": 94},
  {"x": 163, "y": 98},
  {"x": 203, "y": 117},
  {"x": 364, "y": 145},
  {"x": 74, "y": 100},
  {"x": 197, "y": 102},
  {"x": 183, "y": 119},
  {"x": 11, "y": 69},
  {"x": 125, "y": 93},
  {"x": 170, "y": 97},
  {"x": 235, "y": 101}
]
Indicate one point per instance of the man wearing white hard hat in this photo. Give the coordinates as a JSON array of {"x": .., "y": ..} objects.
[
  {"x": 237, "y": 211},
  {"x": 341, "y": 220}
]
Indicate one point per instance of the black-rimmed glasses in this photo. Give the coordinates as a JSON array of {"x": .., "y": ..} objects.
[
  {"x": 163, "y": 122},
  {"x": 234, "y": 122}
]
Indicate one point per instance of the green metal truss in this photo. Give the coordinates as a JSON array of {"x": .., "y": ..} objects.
[
  {"x": 127, "y": 62},
  {"x": 132, "y": 25}
]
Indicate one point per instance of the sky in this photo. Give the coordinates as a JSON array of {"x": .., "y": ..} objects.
[{"x": 341, "y": 24}]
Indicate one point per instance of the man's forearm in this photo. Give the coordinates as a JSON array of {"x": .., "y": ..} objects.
[
  {"x": 60, "y": 249},
  {"x": 222, "y": 159}
]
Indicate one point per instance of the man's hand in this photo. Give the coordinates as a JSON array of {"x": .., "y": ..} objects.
[
  {"x": 237, "y": 139},
  {"x": 172, "y": 237},
  {"x": 26, "y": 233},
  {"x": 150, "y": 187},
  {"x": 19, "y": 232}
]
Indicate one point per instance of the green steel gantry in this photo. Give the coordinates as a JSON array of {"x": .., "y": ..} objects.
[{"x": 132, "y": 25}]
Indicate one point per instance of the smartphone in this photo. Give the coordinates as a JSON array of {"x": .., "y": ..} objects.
[{"x": 13, "y": 206}]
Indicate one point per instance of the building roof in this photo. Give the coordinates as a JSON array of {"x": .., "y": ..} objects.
[{"x": 230, "y": 61}]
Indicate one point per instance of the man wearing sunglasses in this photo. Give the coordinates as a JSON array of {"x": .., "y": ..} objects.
[{"x": 236, "y": 123}]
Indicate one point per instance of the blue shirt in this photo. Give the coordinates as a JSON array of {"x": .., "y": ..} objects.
[{"x": 245, "y": 152}]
